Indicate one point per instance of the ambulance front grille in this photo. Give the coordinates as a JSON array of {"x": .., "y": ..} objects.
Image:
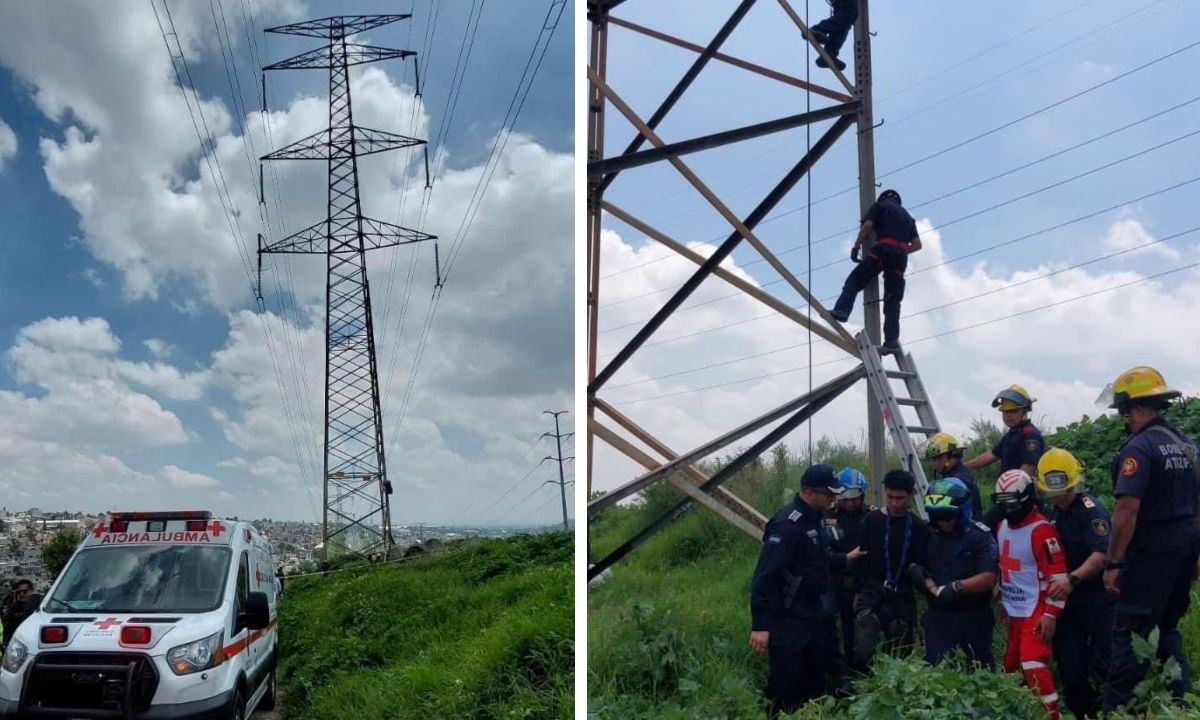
[{"x": 91, "y": 681}]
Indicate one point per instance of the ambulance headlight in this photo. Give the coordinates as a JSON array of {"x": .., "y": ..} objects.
[
  {"x": 15, "y": 656},
  {"x": 196, "y": 656}
]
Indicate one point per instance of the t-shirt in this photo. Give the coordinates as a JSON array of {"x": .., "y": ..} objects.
[
  {"x": 1153, "y": 467},
  {"x": 891, "y": 220},
  {"x": 879, "y": 527}
]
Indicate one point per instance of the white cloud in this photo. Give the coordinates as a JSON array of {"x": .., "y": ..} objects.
[
  {"x": 181, "y": 478},
  {"x": 1130, "y": 234},
  {"x": 1063, "y": 354},
  {"x": 160, "y": 349},
  {"x": 8, "y": 143}
]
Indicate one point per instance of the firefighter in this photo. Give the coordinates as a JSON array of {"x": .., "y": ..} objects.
[
  {"x": 896, "y": 238},
  {"x": 946, "y": 455},
  {"x": 958, "y": 570},
  {"x": 791, "y": 596},
  {"x": 1084, "y": 635},
  {"x": 1019, "y": 448},
  {"x": 844, "y": 524},
  {"x": 891, "y": 537},
  {"x": 1152, "y": 552},
  {"x": 833, "y": 30},
  {"x": 1031, "y": 558}
]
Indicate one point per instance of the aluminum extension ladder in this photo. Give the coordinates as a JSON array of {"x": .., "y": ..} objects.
[{"x": 891, "y": 406}]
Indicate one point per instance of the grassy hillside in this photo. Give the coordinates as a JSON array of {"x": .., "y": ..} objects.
[
  {"x": 484, "y": 630},
  {"x": 668, "y": 630}
]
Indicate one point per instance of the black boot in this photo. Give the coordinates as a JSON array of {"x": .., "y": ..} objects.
[{"x": 822, "y": 64}]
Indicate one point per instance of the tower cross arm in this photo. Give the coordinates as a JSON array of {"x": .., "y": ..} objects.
[
  {"x": 336, "y": 26},
  {"x": 367, "y": 142},
  {"x": 376, "y": 234},
  {"x": 355, "y": 55}
]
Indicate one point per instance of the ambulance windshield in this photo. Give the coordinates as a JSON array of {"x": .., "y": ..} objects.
[{"x": 143, "y": 579}]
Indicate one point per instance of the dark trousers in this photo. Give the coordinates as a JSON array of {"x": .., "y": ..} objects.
[
  {"x": 845, "y": 601},
  {"x": 1082, "y": 648},
  {"x": 1154, "y": 583},
  {"x": 947, "y": 630},
  {"x": 838, "y": 24},
  {"x": 802, "y": 663},
  {"x": 892, "y": 261},
  {"x": 881, "y": 617}
]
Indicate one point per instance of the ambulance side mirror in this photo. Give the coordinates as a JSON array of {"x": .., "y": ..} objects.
[{"x": 255, "y": 613}]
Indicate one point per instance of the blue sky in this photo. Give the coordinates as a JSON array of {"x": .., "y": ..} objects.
[
  {"x": 114, "y": 237},
  {"x": 943, "y": 73}
]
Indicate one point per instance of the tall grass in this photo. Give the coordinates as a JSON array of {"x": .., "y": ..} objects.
[
  {"x": 483, "y": 631},
  {"x": 668, "y": 629}
]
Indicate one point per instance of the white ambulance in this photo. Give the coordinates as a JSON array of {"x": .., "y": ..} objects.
[{"x": 157, "y": 615}]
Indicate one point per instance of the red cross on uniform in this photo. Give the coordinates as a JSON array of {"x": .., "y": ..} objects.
[
  {"x": 216, "y": 528},
  {"x": 106, "y": 624},
  {"x": 1008, "y": 563}
]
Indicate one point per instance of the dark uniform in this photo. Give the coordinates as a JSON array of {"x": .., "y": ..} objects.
[
  {"x": 886, "y": 607},
  {"x": 845, "y": 535},
  {"x": 1157, "y": 570},
  {"x": 962, "y": 472},
  {"x": 895, "y": 231},
  {"x": 791, "y": 597},
  {"x": 837, "y": 26},
  {"x": 1023, "y": 444},
  {"x": 1083, "y": 640},
  {"x": 966, "y": 621}
]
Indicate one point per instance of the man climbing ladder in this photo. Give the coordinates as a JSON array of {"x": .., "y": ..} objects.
[{"x": 896, "y": 238}]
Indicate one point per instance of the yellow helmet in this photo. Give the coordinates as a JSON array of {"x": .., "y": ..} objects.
[
  {"x": 940, "y": 444},
  {"x": 1058, "y": 473},
  {"x": 1014, "y": 397},
  {"x": 1140, "y": 383}
]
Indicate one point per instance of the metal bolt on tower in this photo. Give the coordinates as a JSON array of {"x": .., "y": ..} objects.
[{"x": 357, "y": 515}]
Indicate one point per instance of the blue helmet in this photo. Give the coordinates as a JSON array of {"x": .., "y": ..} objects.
[
  {"x": 949, "y": 498},
  {"x": 854, "y": 482}
]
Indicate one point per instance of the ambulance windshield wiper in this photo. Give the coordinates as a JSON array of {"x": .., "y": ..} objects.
[{"x": 64, "y": 603}]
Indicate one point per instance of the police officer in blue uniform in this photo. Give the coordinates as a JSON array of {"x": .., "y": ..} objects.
[
  {"x": 1155, "y": 542},
  {"x": 885, "y": 610},
  {"x": 958, "y": 569},
  {"x": 791, "y": 596},
  {"x": 1084, "y": 636},
  {"x": 895, "y": 239},
  {"x": 844, "y": 524}
]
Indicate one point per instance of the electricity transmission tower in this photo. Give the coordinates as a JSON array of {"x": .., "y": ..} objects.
[
  {"x": 558, "y": 436},
  {"x": 357, "y": 515}
]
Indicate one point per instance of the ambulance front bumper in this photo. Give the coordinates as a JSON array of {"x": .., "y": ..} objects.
[{"x": 214, "y": 708}]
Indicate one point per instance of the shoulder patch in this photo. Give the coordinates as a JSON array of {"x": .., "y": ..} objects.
[
  {"x": 774, "y": 540},
  {"x": 1032, "y": 444},
  {"x": 794, "y": 515},
  {"x": 1052, "y": 545},
  {"x": 1129, "y": 466},
  {"x": 1088, "y": 502},
  {"x": 1100, "y": 526},
  {"x": 981, "y": 526}
]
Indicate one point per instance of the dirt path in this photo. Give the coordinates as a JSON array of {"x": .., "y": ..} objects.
[{"x": 275, "y": 714}]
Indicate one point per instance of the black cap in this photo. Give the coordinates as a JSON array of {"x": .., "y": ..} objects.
[{"x": 821, "y": 477}]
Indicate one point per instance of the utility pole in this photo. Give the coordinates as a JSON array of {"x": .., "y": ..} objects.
[
  {"x": 356, "y": 488},
  {"x": 558, "y": 435}
]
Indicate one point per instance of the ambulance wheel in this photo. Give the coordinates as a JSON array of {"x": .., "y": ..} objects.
[
  {"x": 267, "y": 702},
  {"x": 238, "y": 711}
]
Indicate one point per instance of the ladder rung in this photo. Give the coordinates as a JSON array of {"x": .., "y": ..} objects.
[
  {"x": 921, "y": 429},
  {"x": 900, "y": 374},
  {"x": 911, "y": 402}
]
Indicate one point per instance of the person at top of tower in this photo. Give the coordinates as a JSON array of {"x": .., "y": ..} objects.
[
  {"x": 896, "y": 238},
  {"x": 833, "y": 30}
]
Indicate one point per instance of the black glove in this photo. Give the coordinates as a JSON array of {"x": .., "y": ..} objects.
[
  {"x": 854, "y": 254},
  {"x": 949, "y": 591},
  {"x": 917, "y": 574}
]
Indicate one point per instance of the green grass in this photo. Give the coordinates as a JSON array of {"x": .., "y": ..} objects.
[
  {"x": 484, "y": 630},
  {"x": 668, "y": 629}
]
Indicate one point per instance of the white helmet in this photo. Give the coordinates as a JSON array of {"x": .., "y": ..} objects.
[{"x": 1014, "y": 492}]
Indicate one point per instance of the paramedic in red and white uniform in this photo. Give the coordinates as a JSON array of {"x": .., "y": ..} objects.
[{"x": 1030, "y": 557}]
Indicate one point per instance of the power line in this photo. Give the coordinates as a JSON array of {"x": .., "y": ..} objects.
[
  {"x": 963, "y": 143},
  {"x": 942, "y": 334},
  {"x": 959, "y": 301}
]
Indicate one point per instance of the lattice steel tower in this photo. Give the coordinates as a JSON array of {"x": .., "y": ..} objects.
[{"x": 357, "y": 514}]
